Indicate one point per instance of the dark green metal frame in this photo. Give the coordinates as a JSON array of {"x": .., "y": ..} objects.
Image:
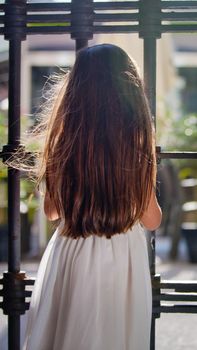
[{"x": 82, "y": 19}]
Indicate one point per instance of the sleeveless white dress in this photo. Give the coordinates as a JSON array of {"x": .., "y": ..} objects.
[{"x": 92, "y": 294}]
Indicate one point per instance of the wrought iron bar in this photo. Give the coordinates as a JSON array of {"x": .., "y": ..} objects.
[
  {"x": 62, "y": 29},
  {"x": 99, "y": 29},
  {"x": 150, "y": 85},
  {"x": 82, "y": 18},
  {"x": 116, "y": 29},
  {"x": 65, "y": 8},
  {"x": 14, "y": 243},
  {"x": 49, "y": 7},
  {"x": 177, "y": 155},
  {"x": 13, "y": 287},
  {"x": 176, "y": 297},
  {"x": 177, "y": 286},
  {"x": 179, "y": 28},
  {"x": 98, "y": 17},
  {"x": 176, "y": 291},
  {"x": 179, "y": 16},
  {"x": 185, "y": 309},
  {"x": 150, "y": 23},
  {"x": 185, "y": 5},
  {"x": 116, "y": 17},
  {"x": 5, "y": 154},
  {"x": 48, "y": 30},
  {"x": 117, "y": 5},
  {"x": 48, "y": 18},
  {"x": 150, "y": 71}
]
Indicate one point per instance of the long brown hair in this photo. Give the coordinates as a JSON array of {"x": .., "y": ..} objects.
[{"x": 99, "y": 154}]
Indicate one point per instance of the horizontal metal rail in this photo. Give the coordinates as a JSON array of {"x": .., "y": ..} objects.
[
  {"x": 48, "y": 18},
  {"x": 52, "y": 18},
  {"x": 184, "y": 5},
  {"x": 177, "y": 286},
  {"x": 179, "y": 16},
  {"x": 118, "y": 5},
  {"x": 58, "y": 29},
  {"x": 6, "y": 154},
  {"x": 66, "y": 29},
  {"x": 176, "y": 291},
  {"x": 171, "y": 309},
  {"x": 177, "y": 155},
  {"x": 176, "y": 297},
  {"x": 179, "y": 28},
  {"x": 38, "y": 7}
]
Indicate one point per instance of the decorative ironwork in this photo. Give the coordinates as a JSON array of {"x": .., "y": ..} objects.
[{"x": 82, "y": 19}]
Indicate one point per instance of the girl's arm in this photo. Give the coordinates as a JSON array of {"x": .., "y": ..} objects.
[
  {"x": 49, "y": 208},
  {"x": 151, "y": 219}
]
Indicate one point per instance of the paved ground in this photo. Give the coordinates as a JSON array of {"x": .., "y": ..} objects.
[{"x": 173, "y": 331}]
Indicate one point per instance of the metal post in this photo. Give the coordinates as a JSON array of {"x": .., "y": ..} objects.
[
  {"x": 150, "y": 85},
  {"x": 150, "y": 72},
  {"x": 13, "y": 287},
  {"x": 13, "y": 140},
  {"x": 150, "y": 25},
  {"x": 80, "y": 44},
  {"x": 82, "y": 22},
  {"x": 14, "y": 191},
  {"x": 14, "y": 183}
]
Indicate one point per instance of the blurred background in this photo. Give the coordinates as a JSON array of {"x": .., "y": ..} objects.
[{"x": 176, "y": 243}]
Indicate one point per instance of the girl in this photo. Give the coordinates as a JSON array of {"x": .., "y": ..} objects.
[{"x": 93, "y": 289}]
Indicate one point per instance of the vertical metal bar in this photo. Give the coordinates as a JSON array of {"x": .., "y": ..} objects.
[
  {"x": 80, "y": 44},
  {"x": 150, "y": 71},
  {"x": 13, "y": 140},
  {"x": 150, "y": 30},
  {"x": 15, "y": 32},
  {"x": 152, "y": 337},
  {"x": 14, "y": 243},
  {"x": 14, "y": 332},
  {"x": 82, "y": 17},
  {"x": 150, "y": 86}
]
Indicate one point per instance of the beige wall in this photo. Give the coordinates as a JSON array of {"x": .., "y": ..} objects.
[
  {"x": 131, "y": 43},
  {"x": 166, "y": 71}
]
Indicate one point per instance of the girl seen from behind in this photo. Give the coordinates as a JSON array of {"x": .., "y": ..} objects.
[{"x": 93, "y": 289}]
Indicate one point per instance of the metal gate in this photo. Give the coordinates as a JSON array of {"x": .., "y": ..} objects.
[{"x": 81, "y": 19}]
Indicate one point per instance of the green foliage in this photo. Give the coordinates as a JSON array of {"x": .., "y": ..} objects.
[
  {"x": 180, "y": 135},
  {"x": 27, "y": 197},
  {"x": 3, "y": 129},
  {"x": 185, "y": 133}
]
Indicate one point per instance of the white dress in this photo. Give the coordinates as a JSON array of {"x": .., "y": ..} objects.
[{"x": 92, "y": 294}]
